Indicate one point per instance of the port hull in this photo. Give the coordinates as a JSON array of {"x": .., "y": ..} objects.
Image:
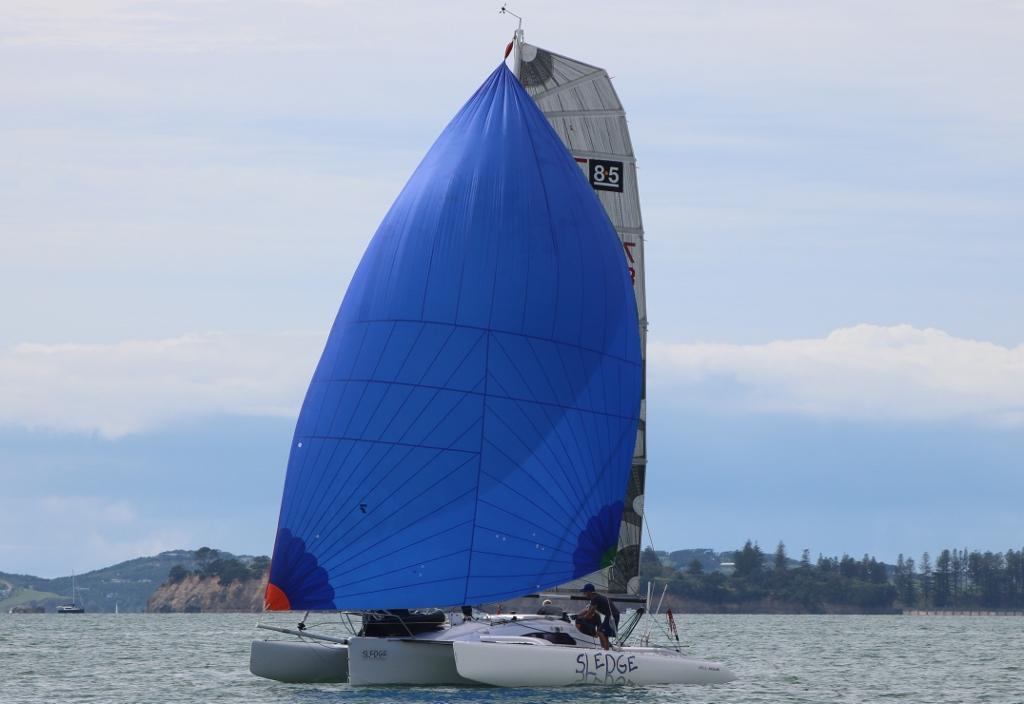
[{"x": 299, "y": 661}]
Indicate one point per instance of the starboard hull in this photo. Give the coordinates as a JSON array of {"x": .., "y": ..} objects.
[
  {"x": 517, "y": 665},
  {"x": 299, "y": 661}
]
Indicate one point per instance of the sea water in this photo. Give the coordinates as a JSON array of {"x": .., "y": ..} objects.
[{"x": 165, "y": 658}]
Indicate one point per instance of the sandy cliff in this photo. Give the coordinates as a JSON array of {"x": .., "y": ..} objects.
[{"x": 196, "y": 594}]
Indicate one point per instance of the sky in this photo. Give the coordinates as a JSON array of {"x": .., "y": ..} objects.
[{"x": 832, "y": 198}]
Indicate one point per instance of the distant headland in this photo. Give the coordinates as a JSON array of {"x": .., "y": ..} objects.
[
  {"x": 692, "y": 581},
  {"x": 177, "y": 580}
]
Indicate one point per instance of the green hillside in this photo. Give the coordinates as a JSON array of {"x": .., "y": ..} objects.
[{"x": 127, "y": 584}]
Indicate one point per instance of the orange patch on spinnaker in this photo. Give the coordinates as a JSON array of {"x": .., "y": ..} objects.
[{"x": 276, "y": 600}]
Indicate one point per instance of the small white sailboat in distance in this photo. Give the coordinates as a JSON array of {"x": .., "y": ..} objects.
[
  {"x": 474, "y": 429},
  {"x": 74, "y": 607}
]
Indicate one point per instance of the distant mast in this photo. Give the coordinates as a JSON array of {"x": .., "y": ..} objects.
[
  {"x": 73, "y": 607},
  {"x": 580, "y": 103}
]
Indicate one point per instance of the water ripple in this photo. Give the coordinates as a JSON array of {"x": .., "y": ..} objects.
[{"x": 195, "y": 658}]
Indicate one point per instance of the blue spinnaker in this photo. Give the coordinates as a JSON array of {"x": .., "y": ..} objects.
[{"x": 468, "y": 431}]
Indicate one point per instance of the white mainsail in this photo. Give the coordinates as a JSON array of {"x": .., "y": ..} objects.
[{"x": 580, "y": 103}]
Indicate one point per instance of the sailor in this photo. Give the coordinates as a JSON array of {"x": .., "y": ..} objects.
[
  {"x": 588, "y": 621},
  {"x": 606, "y": 607},
  {"x": 548, "y": 609}
]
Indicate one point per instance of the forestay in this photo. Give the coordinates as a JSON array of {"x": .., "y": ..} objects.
[
  {"x": 468, "y": 432},
  {"x": 580, "y": 103}
]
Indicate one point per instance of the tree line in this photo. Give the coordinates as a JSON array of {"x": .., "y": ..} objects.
[
  {"x": 958, "y": 579},
  {"x": 212, "y": 563},
  {"x": 962, "y": 580}
]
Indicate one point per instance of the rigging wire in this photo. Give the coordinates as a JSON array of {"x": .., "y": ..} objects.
[{"x": 669, "y": 631}]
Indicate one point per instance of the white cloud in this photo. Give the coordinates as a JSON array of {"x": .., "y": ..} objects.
[
  {"x": 131, "y": 386},
  {"x": 865, "y": 371},
  {"x": 936, "y": 50}
]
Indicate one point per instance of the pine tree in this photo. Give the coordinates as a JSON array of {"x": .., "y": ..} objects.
[
  {"x": 848, "y": 567},
  {"x": 874, "y": 571},
  {"x": 749, "y": 561},
  {"x": 1015, "y": 578},
  {"x": 780, "y": 557},
  {"x": 956, "y": 570},
  {"x": 926, "y": 580},
  {"x": 943, "y": 579},
  {"x": 909, "y": 596},
  {"x": 899, "y": 577}
]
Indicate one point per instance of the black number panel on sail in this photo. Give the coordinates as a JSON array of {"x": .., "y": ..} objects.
[{"x": 606, "y": 175}]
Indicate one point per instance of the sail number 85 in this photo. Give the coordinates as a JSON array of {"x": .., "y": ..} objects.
[{"x": 606, "y": 175}]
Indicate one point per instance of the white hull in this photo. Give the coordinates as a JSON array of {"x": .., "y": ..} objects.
[
  {"x": 534, "y": 665},
  {"x": 499, "y": 651},
  {"x": 384, "y": 661},
  {"x": 299, "y": 661},
  {"x": 428, "y": 658}
]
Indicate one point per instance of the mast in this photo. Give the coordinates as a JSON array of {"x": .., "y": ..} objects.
[{"x": 580, "y": 102}]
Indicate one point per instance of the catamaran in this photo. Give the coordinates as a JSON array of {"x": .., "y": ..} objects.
[{"x": 475, "y": 428}]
